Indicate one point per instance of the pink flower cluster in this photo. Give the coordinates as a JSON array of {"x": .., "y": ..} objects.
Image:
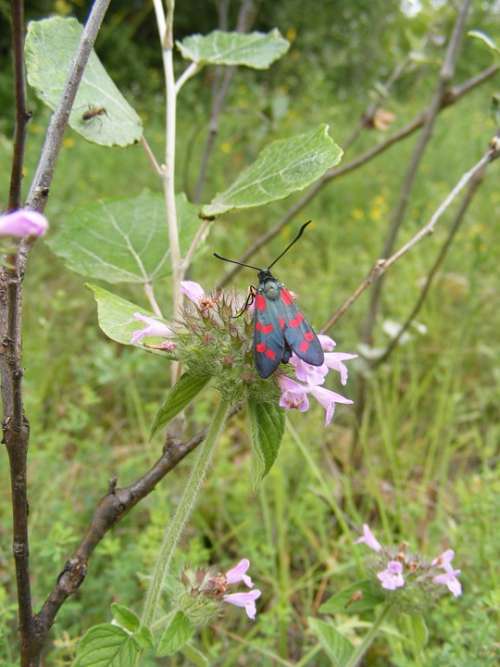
[
  {"x": 295, "y": 395},
  {"x": 247, "y": 599},
  {"x": 393, "y": 576},
  {"x": 23, "y": 222}
]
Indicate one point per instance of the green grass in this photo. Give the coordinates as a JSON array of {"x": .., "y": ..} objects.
[{"x": 427, "y": 441}]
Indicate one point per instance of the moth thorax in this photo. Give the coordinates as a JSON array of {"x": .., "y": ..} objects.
[{"x": 271, "y": 289}]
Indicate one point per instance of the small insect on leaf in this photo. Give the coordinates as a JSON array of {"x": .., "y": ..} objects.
[{"x": 93, "y": 112}]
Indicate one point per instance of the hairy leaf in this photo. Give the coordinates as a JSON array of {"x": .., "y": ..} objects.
[
  {"x": 337, "y": 647},
  {"x": 50, "y": 47},
  {"x": 361, "y": 596},
  {"x": 178, "y": 397},
  {"x": 123, "y": 240},
  {"x": 256, "y": 49},
  {"x": 267, "y": 423},
  {"x": 283, "y": 167},
  {"x": 106, "y": 645},
  {"x": 179, "y": 631},
  {"x": 125, "y": 617}
]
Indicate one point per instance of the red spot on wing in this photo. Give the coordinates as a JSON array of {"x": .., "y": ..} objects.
[
  {"x": 304, "y": 346},
  {"x": 282, "y": 322},
  {"x": 309, "y": 335},
  {"x": 260, "y": 347},
  {"x": 270, "y": 353},
  {"x": 286, "y": 297},
  {"x": 264, "y": 328},
  {"x": 296, "y": 320},
  {"x": 260, "y": 302}
]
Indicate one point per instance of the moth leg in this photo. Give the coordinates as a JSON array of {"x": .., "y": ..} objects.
[{"x": 250, "y": 299}]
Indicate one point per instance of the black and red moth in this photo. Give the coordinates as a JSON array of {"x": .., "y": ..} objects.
[{"x": 279, "y": 326}]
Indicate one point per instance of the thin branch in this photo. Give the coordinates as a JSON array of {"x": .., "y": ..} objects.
[
  {"x": 150, "y": 295},
  {"x": 398, "y": 216},
  {"x": 22, "y": 114},
  {"x": 151, "y": 157},
  {"x": 246, "y": 17},
  {"x": 452, "y": 96},
  {"x": 188, "y": 73},
  {"x": 199, "y": 237},
  {"x": 110, "y": 510},
  {"x": 474, "y": 184},
  {"x": 382, "y": 265}
]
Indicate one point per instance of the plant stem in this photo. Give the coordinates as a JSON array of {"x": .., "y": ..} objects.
[
  {"x": 360, "y": 651},
  {"x": 182, "y": 514}
]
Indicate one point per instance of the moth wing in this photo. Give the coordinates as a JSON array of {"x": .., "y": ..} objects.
[
  {"x": 299, "y": 334},
  {"x": 269, "y": 344}
]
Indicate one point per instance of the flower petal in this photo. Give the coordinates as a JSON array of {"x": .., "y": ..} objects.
[
  {"x": 23, "y": 222},
  {"x": 392, "y": 577},
  {"x": 328, "y": 399},
  {"x": 326, "y": 342},
  {"x": 334, "y": 360},
  {"x": 193, "y": 291},
  {"x": 306, "y": 372},
  {"x": 244, "y": 600},
  {"x": 238, "y": 573},
  {"x": 369, "y": 539},
  {"x": 153, "y": 328}
]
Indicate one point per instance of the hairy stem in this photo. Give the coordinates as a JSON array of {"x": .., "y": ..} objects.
[
  {"x": 359, "y": 651},
  {"x": 186, "y": 504}
]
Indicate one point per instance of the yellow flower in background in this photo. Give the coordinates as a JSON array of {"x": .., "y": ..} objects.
[
  {"x": 62, "y": 7},
  {"x": 378, "y": 208},
  {"x": 69, "y": 142},
  {"x": 291, "y": 34},
  {"x": 358, "y": 214},
  {"x": 226, "y": 147}
]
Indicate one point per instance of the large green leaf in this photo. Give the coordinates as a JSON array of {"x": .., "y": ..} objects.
[
  {"x": 361, "y": 596},
  {"x": 179, "y": 631},
  {"x": 125, "y": 617},
  {"x": 106, "y": 645},
  {"x": 116, "y": 315},
  {"x": 256, "y": 49},
  {"x": 123, "y": 240},
  {"x": 283, "y": 167},
  {"x": 267, "y": 424},
  {"x": 178, "y": 397},
  {"x": 50, "y": 47},
  {"x": 194, "y": 655},
  {"x": 337, "y": 647}
]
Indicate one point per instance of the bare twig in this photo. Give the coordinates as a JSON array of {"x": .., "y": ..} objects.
[
  {"x": 222, "y": 82},
  {"x": 110, "y": 510},
  {"x": 151, "y": 297},
  {"x": 151, "y": 156},
  {"x": 398, "y": 216},
  {"x": 460, "y": 215},
  {"x": 382, "y": 265},
  {"x": 452, "y": 96}
]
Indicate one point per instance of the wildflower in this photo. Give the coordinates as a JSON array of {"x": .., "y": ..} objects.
[
  {"x": 245, "y": 600},
  {"x": 327, "y": 399},
  {"x": 369, "y": 539},
  {"x": 293, "y": 394},
  {"x": 23, "y": 222},
  {"x": 153, "y": 328},
  {"x": 392, "y": 577},
  {"x": 444, "y": 560},
  {"x": 449, "y": 579},
  {"x": 238, "y": 573},
  {"x": 334, "y": 361},
  {"x": 193, "y": 291},
  {"x": 327, "y": 343}
]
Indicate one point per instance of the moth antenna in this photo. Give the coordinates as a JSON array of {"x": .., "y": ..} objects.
[
  {"x": 301, "y": 231},
  {"x": 233, "y": 261}
]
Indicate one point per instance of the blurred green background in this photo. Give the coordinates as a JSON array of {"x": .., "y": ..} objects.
[{"x": 430, "y": 430}]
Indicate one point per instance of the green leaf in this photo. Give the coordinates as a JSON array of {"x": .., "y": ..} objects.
[
  {"x": 123, "y": 240},
  {"x": 116, "y": 315},
  {"x": 179, "y": 631},
  {"x": 106, "y": 645},
  {"x": 267, "y": 424},
  {"x": 50, "y": 47},
  {"x": 256, "y": 49},
  {"x": 419, "y": 630},
  {"x": 195, "y": 656},
  {"x": 144, "y": 637},
  {"x": 283, "y": 167},
  {"x": 486, "y": 39},
  {"x": 361, "y": 596},
  {"x": 125, "y": 617},
  {"x": 338, "y": 648},
  {"x": 178, "y": 397}
]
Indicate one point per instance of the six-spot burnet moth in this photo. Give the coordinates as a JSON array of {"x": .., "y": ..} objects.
[{"x": 279, "y": 326}]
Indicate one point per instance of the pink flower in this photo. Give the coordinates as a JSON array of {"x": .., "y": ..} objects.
[
  {"x": 23, "y": 222},
  {"x": 449, "y": 579},
  {"x": 153, "y": 328},
  {"x": 306, "y": 372},
  {"x": 334, "y": 361},
  {"x": 328, "y": 399},
  {"x": 326, "y": 343},
  {"x": 293, "y": 394},
  {"x": 392, "y": 577},
  {"x": 444, "y": 560},
  {"x": 238, "y": 573},
  {"x": 369, "y": 539},
  {"x": 244, "y": 600},
  {"x": 193, "y": 291}
]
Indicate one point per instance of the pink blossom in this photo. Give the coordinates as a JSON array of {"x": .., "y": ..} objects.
[
  {"x": 306, "y": 372},
  {"x": 23, "y": 222},
  {"x": 326, "y": 342},
  {"x": 238, "y": 573},
  {"x": 392, "y": 577},
  {"x": 328, "y": 399},
  {"x": 153, "y": 328},
  {"x": 334, "y": 361},
  {"x": 449, "y": 579},
  {"x": 293, "y": 394},
  {"x": 245, "y": 600},
  {"x": 369, "y": 539},
  {"x": 193, "y": 291},
  {"x": 444, "y": 559}
]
